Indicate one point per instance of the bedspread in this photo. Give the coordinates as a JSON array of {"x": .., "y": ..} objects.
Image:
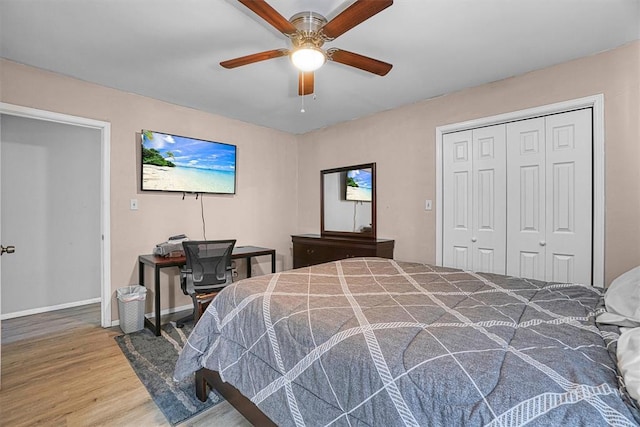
[{"x": 372, "y": 341}]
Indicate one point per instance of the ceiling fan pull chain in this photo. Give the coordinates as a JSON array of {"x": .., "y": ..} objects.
[{"x": 302, "y": 97}]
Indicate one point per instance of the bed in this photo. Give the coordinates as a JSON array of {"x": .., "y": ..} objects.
[{"x": 373, "y": 341}]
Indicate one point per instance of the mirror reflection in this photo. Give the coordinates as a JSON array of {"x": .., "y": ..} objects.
[{"x": 348, "y": 200}]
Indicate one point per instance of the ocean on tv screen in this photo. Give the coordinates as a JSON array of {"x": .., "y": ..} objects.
[{"x": 176, "y": 163}]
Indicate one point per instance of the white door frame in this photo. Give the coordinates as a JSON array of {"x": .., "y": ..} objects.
[
  {"x": 105, "y": 219},
  {"x": 596, "y": 102}
]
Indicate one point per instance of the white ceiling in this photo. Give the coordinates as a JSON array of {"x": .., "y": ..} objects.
[{"x": 171, "y": 49}]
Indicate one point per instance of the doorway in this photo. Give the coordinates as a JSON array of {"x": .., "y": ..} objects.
[{"x": 58, "y": 198}]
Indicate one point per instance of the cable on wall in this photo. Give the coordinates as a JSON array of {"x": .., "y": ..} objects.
[
  {"x": 204, "y": 227},
  {"x": 355, "y": 205},
  {"x": 204, "y": 224}
]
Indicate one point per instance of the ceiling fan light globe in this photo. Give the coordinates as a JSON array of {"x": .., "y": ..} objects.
[{"x": 308, "y": 59}]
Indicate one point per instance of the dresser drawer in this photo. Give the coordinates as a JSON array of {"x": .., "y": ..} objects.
[
  {"x": 305, "y": 255},
  {"x": 342, "y": 252},
  {"x": 312, "y": 249}
]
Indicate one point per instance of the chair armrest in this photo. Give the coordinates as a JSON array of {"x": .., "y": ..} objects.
[{"x": 184, "y": 273}]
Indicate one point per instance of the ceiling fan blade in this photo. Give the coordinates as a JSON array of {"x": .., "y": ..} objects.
[
  {"x": 269, "y": 14},
  {"x": 305, "y": 83},
  {"x": 256, "y": 57},
  {"x": 359, "y": 61},
  {"x": 358, "y": 12}
]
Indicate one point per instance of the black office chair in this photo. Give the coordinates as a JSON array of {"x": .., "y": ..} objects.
[{"x": 206, "y": 272}]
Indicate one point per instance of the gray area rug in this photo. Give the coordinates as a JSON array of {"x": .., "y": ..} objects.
[{"x": 153, "y": 359}]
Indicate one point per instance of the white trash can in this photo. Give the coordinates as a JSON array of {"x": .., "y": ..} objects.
[{"x": 131, "y": 301}]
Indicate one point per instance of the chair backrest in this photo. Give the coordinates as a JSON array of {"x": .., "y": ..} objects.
[{"x": 208, "y": 264}]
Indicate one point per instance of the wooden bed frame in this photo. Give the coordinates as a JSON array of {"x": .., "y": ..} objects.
[{"x": 206, "y": 377}]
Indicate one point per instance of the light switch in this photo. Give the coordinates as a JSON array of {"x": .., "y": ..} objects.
[
  {"x": 133, "y": 204},
  {"x": 427, "y": 205}
]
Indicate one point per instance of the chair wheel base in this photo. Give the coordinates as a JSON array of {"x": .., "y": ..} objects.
[{"x": 184, "y": 320}]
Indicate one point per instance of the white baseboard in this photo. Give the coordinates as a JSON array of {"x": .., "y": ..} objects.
[
  {"x": 162, "y": 312},
  {"x": 29, "y": 312}
]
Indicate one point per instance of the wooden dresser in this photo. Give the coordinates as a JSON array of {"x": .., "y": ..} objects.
[{"x": 311, "y": 249}]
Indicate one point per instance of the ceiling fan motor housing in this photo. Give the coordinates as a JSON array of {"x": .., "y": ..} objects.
[{"x": 308, "y": 25}]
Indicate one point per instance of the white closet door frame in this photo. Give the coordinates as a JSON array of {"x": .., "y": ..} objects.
[{"x": 596, "y": 102}]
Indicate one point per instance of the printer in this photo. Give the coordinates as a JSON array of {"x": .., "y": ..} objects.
[{"x": 172, "y": 247}]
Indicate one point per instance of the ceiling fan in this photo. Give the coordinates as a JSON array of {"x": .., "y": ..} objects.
[{"x": 308, "y": 31}]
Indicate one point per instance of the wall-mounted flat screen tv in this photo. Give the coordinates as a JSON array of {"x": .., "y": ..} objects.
[
  {"x": 359, "y": 185},
  {"x": 187, "y": 165}
]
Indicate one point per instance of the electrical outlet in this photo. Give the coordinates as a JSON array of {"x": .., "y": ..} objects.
[
  {"x": 428, "y": 205},
  {"x": 133, "y": 204}
]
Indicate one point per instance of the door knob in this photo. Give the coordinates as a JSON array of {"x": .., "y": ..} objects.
[
  {"x": 474, "y": 239},
  {"x": 8, "y": 249},
  {"x": 542, "y": 243}
]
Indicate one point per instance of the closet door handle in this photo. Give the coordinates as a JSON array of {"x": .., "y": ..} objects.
[
  {"x": 543, "y": 243},
  {"x": 474, "y": 239}
]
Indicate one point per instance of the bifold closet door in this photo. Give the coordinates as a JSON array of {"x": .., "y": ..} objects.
[
  {"x": 549, "y": 197},
  {"x": 474, "y": 179},
  {"x": 526, "y": 229},
  {"x": 457, "y": 200}
]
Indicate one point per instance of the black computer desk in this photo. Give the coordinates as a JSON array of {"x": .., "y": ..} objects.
[{"x": 159, "y": 262}]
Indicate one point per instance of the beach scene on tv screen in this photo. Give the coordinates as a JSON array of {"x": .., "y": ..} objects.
[
  {"x": 359, "y": 185},
  {"x": 176, "y": 163}
]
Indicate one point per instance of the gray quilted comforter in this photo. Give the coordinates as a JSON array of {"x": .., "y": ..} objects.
[{"x": 370, "y": 341}]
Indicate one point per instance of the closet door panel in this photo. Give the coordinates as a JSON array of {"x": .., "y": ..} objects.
[
  {"x": 526, "y": 199},
  {"x": 529, "y": 264},
  {"x": 563, "y": 268},
  {"x": 489, "y": 192},
  {"x": 569, "y": 196},
  {"x": 457, "y": 200}
]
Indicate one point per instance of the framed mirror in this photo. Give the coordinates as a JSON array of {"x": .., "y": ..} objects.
[{"x": 348, "y": 201}]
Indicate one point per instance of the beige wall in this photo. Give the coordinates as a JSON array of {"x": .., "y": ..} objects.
[
  {"x": 402, "y": 143},
  {"x": 263, "y": 212}
]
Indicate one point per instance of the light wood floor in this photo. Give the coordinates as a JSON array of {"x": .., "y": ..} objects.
[{"x": 62, "y": 369}]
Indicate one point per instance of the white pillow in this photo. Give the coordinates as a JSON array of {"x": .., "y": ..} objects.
[
  {"x": 628, "y": 353},
  {"x": 622, "y": 300}
]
